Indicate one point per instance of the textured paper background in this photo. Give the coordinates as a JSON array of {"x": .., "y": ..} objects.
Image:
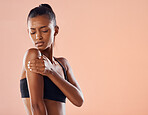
[{"x": 105, "y": 41}]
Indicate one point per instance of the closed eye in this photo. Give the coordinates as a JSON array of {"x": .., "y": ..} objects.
[
  {"x": 42, "y": 31},
  {"x": 45, "y": 31},
  {"x": 33, "y": 33}
]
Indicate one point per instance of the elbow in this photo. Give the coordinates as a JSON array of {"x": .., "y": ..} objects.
[{"x": 79, "y": 102}]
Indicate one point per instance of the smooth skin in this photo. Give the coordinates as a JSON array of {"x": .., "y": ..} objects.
[{"x": 40, "y": 28}]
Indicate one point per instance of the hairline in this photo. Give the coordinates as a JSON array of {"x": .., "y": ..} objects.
[{"x": 50, "y": 20}]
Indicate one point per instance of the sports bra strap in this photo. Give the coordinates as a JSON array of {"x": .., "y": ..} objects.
[{"x": 62, "y": 67}]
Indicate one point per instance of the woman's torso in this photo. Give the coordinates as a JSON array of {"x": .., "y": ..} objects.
[{"x": 53, "y": 107}]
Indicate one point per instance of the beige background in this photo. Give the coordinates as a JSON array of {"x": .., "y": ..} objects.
[{"x": 105, "y": 41}]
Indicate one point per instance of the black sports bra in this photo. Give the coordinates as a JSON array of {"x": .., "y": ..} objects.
[{"x": 51, "y": 91}]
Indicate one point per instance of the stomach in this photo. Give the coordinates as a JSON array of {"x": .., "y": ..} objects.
[{"x": 52, "y": 107}]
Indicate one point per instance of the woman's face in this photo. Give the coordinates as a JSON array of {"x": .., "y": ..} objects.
[{"x": 41, "y": 29}]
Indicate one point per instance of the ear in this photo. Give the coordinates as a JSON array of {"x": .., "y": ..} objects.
[{"x": 56, "y": 28}]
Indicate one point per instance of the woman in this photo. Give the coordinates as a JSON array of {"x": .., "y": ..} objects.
[{"x": 46, "y": 81}]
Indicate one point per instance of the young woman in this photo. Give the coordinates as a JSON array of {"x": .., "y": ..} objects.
[{"x": 46, "y": 80}]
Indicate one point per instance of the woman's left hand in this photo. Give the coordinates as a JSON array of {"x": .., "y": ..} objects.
[{"x": 42, "y": 65}]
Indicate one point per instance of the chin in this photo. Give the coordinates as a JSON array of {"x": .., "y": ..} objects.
[{"x": 40, "y": 48}]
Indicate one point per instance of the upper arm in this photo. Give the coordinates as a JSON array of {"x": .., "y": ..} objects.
[
  {"x": 70, "y": 74},
  {"x": 34, "y": 80}
]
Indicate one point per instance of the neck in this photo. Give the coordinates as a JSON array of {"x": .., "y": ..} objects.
[{"x": 49, "y": 53}]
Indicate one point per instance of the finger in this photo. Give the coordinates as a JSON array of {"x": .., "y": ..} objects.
[
  {"x": 35, "y": 61},
  {"x": 36, "y": 67},
  {"x": 41, "y": 71},
  {"x": 41, "y": 57},
  {"x": 32, "y": 61},
  {"x": 34, "y": 70},
  {"x": 41, "y": 61},
  {"x": 44, "y": 57},
  {"x": 33, "y": 65}
]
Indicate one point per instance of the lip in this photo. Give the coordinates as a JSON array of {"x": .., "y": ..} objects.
[{"x": 39, "y": 43}]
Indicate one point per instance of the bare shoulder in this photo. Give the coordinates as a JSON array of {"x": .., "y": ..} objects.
[
  {"x": 64, "y": 61},
  {"x": 69, "y": 72},
  {"x": 31, "y": 53}
]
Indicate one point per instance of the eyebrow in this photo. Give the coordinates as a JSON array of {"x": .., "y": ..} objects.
[{"x": 40, "y": 27}]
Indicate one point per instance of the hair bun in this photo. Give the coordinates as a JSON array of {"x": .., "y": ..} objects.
[{"x": 45, "y": 5}]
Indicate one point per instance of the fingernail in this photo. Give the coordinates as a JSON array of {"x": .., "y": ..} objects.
[{"x": 40, "y": 57}]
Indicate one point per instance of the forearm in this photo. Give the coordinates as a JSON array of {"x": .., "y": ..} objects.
[
  {"x": 70, "y": 91},
  {"x": 38, "y": 108}
]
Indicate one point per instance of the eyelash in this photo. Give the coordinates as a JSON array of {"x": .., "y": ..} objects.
[{"x": 42, "y": 31}]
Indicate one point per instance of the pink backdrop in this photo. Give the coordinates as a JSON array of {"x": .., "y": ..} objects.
[{"x": 106, "y": 43}]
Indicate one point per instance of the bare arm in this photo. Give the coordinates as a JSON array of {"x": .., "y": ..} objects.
[
  {"x": 71, "y": 89},
  {"x": 35, "y": 84}
]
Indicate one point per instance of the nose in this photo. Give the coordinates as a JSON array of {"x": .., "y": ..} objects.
[{"x": 38, "y": 35}]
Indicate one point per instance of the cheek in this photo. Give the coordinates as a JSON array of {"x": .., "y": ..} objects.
[
  {"x": 32, "y": 37},
  {"x": 49, "y": 35},
  {"x": 49, "y": 39}
]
